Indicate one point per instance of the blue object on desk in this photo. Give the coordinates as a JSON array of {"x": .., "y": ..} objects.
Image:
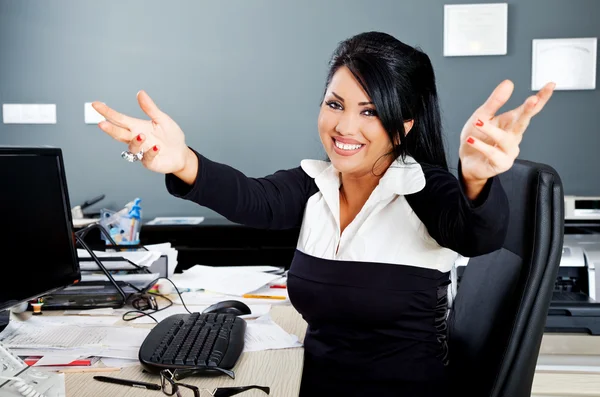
[{"x": 135, "y": 214}]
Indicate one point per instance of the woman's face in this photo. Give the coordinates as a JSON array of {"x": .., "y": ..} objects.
[{"x": 349, "y": 127}]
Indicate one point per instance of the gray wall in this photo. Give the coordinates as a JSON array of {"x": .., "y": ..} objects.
[{"x": 244, "y": 80}]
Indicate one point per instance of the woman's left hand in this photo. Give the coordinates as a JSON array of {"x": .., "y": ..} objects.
[{"x": 489, "y": 144}]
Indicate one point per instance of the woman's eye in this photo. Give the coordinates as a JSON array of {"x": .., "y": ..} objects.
[
  {"x": 334, "y": 105},
  {"x": 370, "y": 112}
]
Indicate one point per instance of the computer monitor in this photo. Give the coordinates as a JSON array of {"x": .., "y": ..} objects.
[{"x": 37, "y": 249}]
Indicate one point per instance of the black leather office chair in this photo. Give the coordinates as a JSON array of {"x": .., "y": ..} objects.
[{"x": 497, "y": 318}]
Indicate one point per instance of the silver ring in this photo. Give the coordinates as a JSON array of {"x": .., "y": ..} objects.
[{"x": 132, "y": 158}]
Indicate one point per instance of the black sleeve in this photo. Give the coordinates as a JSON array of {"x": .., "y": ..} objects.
[
  {"x": 273, "y": 202},
  {"x": 468, "y": 227}
]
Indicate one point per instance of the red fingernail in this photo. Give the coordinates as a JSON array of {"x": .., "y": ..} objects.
[
  {"x": 470, "y": 140},
  {"x": 479, "y": 123},
  {"x": 139, "y": 138},
  {"x": 155, "y": 148}
]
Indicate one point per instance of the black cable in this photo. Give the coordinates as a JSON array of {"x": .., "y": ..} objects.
[{"x": 144, "y": 291}]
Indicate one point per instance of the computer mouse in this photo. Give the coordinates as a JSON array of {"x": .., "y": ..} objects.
[{"x": 232, "y": 306}]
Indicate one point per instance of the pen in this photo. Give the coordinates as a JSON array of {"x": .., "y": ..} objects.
[
  {"x": 89, "y": 369},
  {"x": 278, "y": 286},
  {"x": 127, "y": 382},
  {"x": 264, "y": 296}
]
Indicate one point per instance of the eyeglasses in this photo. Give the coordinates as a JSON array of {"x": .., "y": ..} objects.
[{"x": 172, "y": 388}]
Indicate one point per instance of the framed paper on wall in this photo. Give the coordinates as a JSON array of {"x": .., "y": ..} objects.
[
  {"x": 570, "y": 63},
  {"x": 475, "y": 29}
]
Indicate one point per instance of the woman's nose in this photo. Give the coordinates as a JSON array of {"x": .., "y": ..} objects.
[{"x": 347, "y": 124}]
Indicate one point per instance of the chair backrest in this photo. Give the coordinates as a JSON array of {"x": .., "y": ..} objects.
[{"x": 497, "y": 319}]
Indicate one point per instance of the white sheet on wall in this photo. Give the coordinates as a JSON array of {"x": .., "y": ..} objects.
[
  {"x": 475, "y": 29},
  {"x": 570, "y": 63}
]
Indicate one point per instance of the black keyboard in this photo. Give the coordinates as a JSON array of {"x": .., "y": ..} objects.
[{"x": 202, "y": 342}]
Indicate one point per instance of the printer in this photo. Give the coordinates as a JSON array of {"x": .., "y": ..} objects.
[{"x": 575, "y": 305}]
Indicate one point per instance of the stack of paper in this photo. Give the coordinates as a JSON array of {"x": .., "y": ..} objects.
[
  {"x": 165, "y": 249},
  {"x": 142, "y": 258},
  {"x": 222, "y": 280},
  {"x": 66, "y": 338}
]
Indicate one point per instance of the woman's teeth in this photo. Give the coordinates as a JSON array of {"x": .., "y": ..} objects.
[{"x": 347, "y": 146}]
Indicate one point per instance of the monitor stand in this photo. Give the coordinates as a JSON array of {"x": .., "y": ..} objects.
[{"x": 4, "y": 319}]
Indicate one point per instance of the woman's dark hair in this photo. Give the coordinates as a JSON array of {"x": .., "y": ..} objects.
[{"x": 400, "y": 81}]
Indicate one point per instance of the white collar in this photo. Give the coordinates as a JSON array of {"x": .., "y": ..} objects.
[{"x": 402, "y": 177}]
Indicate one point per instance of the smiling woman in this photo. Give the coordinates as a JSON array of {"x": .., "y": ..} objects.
[{"x": 382, "y": 223}]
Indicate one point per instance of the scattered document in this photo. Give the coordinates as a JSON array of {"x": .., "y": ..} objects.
[
  {"x": 265, "y": 334},
  {"x": 75, "y": 320},
  {"x": 188, "y": 220},
  {"x": 264, "y": 269},
  {"x": 257, "y": 311},
  {"x": 226, "y": 281},
  {"x": 101, "y": 311},
  {"x": 57, "y": 359},
  {"x": 570, "y": 63},
  {"x": 208, "y": 298},
  {"x": 475, "y": 29},
  {"x": 45, "y": 334},
  {"x": 119, "y": 362}
]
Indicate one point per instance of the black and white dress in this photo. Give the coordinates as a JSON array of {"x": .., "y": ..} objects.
[{"x": 374, "y": 296}]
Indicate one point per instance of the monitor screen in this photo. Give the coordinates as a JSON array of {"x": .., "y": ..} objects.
[{"x": 37, "y": 247}]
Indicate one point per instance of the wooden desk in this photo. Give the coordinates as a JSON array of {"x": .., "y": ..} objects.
[
  {"x": 546, "y": 384},
  {"x": 282, "y": 369}
]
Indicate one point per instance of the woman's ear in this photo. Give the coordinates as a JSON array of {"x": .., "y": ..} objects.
[{"x": 408, "y": 125}]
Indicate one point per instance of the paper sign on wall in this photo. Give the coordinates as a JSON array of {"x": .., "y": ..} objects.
[
  {"x": 90, "y": 115},
  {"x": 16, "y": 113},
  {"x": 475, "y": 29},
  {"x": 570, "y": 63}
]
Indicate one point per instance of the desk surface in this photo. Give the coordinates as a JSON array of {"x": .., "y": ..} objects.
[{"x": 282, "y": 369}]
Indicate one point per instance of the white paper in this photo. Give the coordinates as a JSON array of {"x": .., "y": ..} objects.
[
  {"x": 75, "y": 320},
  {"x": 90, "y": 115},
  {"x": 225, "y": 281},
  {"x": 84, "y": 221},
  {"x": 140, "y": 258},
  {"x": 187, "y": 220},
  {"x": 102, "y": 311},
  {"x": 16, "y": 113},
  {"x": 475, "y": 29},
  {"x": 119, "y": 362},
  {"x": 166, "y": 249},
  {"x": 138, "y": 279},
  {"x": 35, "y": 333},
  {"x": 265, "y": 334},
  {"x": 257, "y": 311},
  {"x": 208, "y": 298},
  {"x": 128, "y": 353},
  {"x": 570, "y": 63},
  {"x": 57, "y": 359},
  {"x": 264, "y": 269}
]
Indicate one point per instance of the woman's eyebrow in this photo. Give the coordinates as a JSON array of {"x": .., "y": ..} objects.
[{"x": 342, "y": 100}]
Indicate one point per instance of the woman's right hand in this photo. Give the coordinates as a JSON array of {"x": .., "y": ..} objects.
[{"x": 160, "y": 138}]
